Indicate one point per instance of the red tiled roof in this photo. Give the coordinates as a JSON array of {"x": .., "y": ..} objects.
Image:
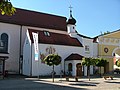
[
  {"x": 56, "y": 38},
  {"x": 74, "y": 56},
  {"x": 35, "y": 19}
]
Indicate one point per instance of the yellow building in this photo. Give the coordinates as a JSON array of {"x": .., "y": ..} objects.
[{"x": 109, "y": 49}]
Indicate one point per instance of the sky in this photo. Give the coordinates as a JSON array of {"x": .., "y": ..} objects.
[{"x": 92, "y": 16}]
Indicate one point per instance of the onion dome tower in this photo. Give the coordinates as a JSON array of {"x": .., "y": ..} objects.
[{"x": 71, "y": 24}]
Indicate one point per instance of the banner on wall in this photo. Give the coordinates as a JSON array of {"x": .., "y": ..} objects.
[{"x": 35, "y": 39}]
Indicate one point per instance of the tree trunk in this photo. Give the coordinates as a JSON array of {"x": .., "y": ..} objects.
[
  {"x": 100, "y": 71},
  {"x": 53, "y": 73},
  {"x": 88, "y": 72}
]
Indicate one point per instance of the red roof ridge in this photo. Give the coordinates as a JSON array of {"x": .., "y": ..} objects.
[
  {"x": 35, "y": 19},
  {"x": 74, "y": 56},
  {"x": 55, "y": 38}
]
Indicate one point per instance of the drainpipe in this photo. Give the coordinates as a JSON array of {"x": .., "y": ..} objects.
[
  {"x": 64, "y": 67},
  {"x": 31, "y": 61},
  {"x": 20, "y": 56}
]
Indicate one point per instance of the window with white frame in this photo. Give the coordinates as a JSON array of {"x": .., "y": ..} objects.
[
  {"x": 46, "y": 33},
  {"x": 87, "y": 48}
]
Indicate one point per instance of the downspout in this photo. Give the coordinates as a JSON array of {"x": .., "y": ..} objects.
[
  {"x": 31, "y": 61},
  {"x": 64, "y": 67},
  {"x": 20, "y": 56}
]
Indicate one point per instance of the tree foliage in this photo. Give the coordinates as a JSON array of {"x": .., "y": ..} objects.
[
  {"x": 6, "y": 7},
  {"x": 87, "y": 62},
  {"x": 118, "y": 63},
  {"x": 52, "y": 59},
  {"x": 100, "y": 62}
]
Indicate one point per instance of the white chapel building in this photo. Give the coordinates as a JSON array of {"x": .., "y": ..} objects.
[{"x": 56, "y": 35}]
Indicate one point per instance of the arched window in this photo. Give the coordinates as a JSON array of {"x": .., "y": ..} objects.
[
  {"x": 70, "y": 67},
  {"x": 4, "y": 43}
]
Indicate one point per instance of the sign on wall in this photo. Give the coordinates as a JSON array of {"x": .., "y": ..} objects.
[
  {"x": 48, "y": 50},
  {"x": 35, "y": 39}
]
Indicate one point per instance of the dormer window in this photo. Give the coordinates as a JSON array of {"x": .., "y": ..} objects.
[{"x": 46, "y": 33}]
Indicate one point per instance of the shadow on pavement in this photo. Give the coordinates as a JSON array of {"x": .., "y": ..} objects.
[
  {"x": 112, "y": 82},
  {"x": 22, "y": 84},
  {"x": 84, "y": 84}
]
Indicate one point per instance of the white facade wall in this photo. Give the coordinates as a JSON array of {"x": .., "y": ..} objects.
[
  {"x": 13, "y": 32},
  {"x": 66, "y": 67},
  {"x": 71, "y": 28},
  {"x": 95, "y": 50},
  {"x": 88, "y": 42},
  {"x": 27, "y": 56},
  {"x": 17, "y": 35},
  {"x": 90, "y": 53},
  {"x": 85, "y": 70},
  {"x": 23, "y": 37},
  {"x": 63, "y": 51},
  {"x": 74, "y": 63}
]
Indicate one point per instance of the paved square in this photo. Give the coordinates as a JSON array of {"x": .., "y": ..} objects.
[{"x": 59, "y": 84}]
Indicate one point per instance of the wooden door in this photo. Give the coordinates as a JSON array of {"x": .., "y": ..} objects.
[
  {"x": 106, "y": 68},
  {"x": 79, "y": 69}
]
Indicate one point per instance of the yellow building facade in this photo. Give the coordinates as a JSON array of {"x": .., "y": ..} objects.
[{"x": 108, "y": 47}]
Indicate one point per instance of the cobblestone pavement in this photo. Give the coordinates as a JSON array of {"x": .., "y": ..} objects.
[{"x": 59, "y": 84}]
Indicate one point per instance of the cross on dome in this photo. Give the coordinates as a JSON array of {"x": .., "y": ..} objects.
[
  {"x": 70, "y": 10},
  {"x": 71, "y": 20}
]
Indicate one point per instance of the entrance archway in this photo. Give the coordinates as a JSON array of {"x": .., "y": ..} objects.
[
  {"x": 78, "y": 69},
  {"x": 116, "y": 55},
  {"x": 70, "y": 67},
  {"x": 117, "y": 51}
]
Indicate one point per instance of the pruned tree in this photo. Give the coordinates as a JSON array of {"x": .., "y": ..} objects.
[
  {"x": 6, "y": 7},
  {"x": 88, "y": 62},
  {"x": 52, "y": 60},
  {"x": 100, "y": 62}
]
